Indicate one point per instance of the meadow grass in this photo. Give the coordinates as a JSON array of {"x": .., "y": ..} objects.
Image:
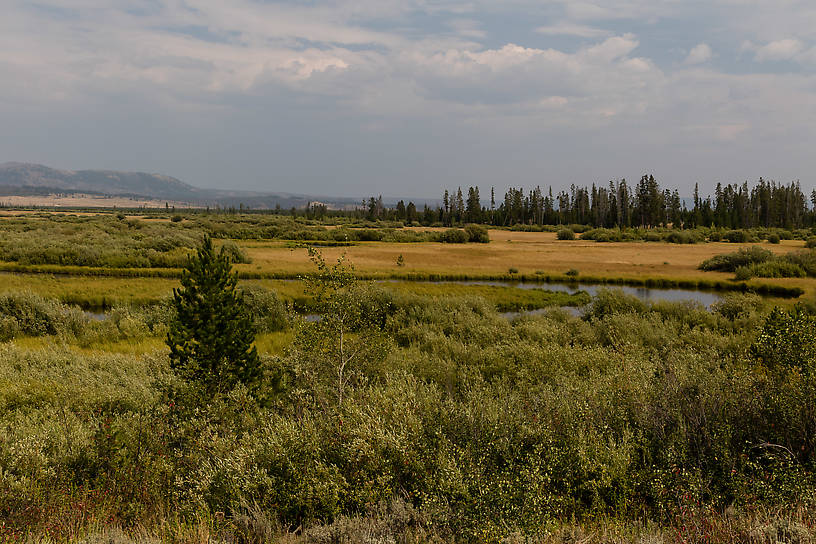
[
  {"x": 99, "y": 292},
  {"x": 270, "y": 343},
  {"x": 526, "y": 251}
]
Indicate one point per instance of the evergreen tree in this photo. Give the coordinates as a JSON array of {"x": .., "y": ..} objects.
[
  {"x": 460, "y": 206},
  {"x": 474, "y": 206},
  {"x": 411, "y": 213},
  {"x": 211, "y": 338}
]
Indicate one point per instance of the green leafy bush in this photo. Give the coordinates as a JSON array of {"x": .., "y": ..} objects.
[
  {"x": 453, "y": 236},
  {"x": 744, "y": 273},
  {"x": 731, "y": 261},
  {"x": 236, "y": 254},
  {"x": 468, "y": 427},
  {"x": 477, "y": 234},
  {"x": 758, "y": 262},
  {"x": 268, "y": 312},
  {"x": 613, "y": 301},
  {"x": 27, "y": 314},
  {"x": 682, "y": 237},
  {"x": 737, "y": 236},
  {"x": 565, "y": 234},
  {"x": 778, "y": 268},
  {"x": 786, "y": 341},
  {"x": 735, "y": 305}
]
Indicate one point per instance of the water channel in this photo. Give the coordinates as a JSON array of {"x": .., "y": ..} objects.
[{"x": 646, "y": 294}]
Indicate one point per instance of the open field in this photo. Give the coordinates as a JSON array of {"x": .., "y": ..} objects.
[{"x": 528, "y": 252}]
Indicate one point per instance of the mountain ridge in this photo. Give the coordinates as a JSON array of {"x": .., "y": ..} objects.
[{"x": 32, "y": 177}]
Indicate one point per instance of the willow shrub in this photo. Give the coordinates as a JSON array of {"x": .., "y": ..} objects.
[
  {"x": 28, "y": 314},
  {"x": 485, "y": 427}
]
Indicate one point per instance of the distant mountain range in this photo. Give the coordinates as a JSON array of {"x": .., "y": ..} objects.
[{"x": 35, "y": 179}]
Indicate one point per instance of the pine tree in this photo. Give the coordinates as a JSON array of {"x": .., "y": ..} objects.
[{"x": 211, "y": 338}]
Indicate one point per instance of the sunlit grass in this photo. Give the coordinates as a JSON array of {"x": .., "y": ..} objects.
[{"x": 273, "y": 343}]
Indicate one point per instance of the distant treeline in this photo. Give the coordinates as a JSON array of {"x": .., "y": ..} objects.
[{"x": 645, "y": 204}]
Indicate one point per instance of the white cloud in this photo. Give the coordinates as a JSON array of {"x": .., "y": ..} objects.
[
  {"x": 785, "y": 49},
  {"x": 614, "y": 48},
  {"x": 699, "y": 54}
]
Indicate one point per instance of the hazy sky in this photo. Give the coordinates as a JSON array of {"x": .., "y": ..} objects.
[{"x": 404, "y": 97}]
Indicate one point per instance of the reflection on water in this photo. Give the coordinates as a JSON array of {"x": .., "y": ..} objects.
[{"x": 647, "y": 294}]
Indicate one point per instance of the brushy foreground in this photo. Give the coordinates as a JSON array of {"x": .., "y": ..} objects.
[{"x": 634, "y": 422}]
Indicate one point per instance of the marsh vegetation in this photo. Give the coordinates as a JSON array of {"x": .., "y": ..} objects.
[{"x": 410, "y": 411}]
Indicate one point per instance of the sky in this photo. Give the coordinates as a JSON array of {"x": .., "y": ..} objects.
[{"x": 407, "y": 97}]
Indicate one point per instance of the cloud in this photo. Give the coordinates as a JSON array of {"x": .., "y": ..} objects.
[
  {"x": 463, "y": 83},
  {"x": 572, "y": 29},
  {"x": 699, "y": 54},
  {"x": 778, "y": 50},
  {"x": 596, "y": 77}
]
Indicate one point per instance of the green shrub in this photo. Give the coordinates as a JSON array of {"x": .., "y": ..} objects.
[
  {"x": 810, "y": 243},
  {"x": 744, "y": 273},
  {"x": 736, "y": 236},
  {"x": 786, "y": 341},
  {"x": 613, "y": 301},
  {"x": 477, "y": 234},
  {"x": 470, "y": 427},
  {"x": 565, "y": 234},
  {"x": 368, "y": 235},
  {"x": 735, "y": 305},
  {"x": 682, "y": 237},
  {"x": 267, "y": 310},
  {"x": 453, "y": 236},
  {"x": 32, "y": 315},
  {"x": 773, "y": 238},
  {"x": 778, "y": 268},
  {"x": 176, "y": 219},
  {"x": 236, "y": 254},
  {"x": 804, "y": 259},
  {"x": 731, "y": 261},
  {"x": 603, "y": 235}
]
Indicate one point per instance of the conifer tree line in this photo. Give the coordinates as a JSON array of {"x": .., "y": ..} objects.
[{"x": 618, "y": 204}]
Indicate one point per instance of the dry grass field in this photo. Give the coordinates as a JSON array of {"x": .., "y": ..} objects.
[
  {"x": 79, "y": 200},
  {"x": 527, "y": 252}
]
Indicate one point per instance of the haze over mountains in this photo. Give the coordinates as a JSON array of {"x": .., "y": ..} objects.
[{"x": 35, "y": 179}]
